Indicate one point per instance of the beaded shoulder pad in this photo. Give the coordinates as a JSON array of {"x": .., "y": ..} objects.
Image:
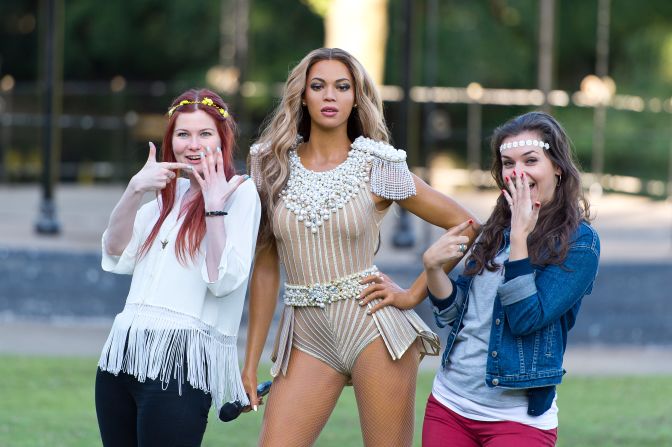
[
  {"x": 390, "y": 177},
  {"x": 256, "y": 150}
]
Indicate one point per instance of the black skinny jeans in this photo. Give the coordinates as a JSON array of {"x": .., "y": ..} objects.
[{"x": 131, "y": 413}]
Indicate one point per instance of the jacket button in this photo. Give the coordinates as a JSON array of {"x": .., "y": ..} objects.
[
  {"x": 495, "y": 382},
  {"x": 498, "y": 321},
  {"x": 494, "y": 353}
]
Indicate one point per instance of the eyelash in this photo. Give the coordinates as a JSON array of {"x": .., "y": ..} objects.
[
  {"x": 203, "y": 134},
  {"x": 341, "y": 87},
  {"x": 528, "y": 161}
]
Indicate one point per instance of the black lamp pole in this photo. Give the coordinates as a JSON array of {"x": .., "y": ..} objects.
[
  {"x": 46, "y": 222},
  {"x": 403, "y": 235}
]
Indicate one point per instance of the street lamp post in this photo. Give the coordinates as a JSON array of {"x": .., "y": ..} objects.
[
  {"x": 403, "y": 235},
  {"x": 545, "y": 58},
  {"x": 601, "y": 71},
  {"x": 47, "y": 223}
]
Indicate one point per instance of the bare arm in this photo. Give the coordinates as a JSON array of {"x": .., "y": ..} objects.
[
  {"x": 152, "y": 177},
  {"x": 437, "y": 209},
  {"x": 264, "y": 286}
]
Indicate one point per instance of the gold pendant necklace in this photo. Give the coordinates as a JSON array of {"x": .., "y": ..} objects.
[{"x": 164, "y": 241}]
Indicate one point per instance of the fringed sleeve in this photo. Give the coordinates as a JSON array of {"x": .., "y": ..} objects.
[
  {"x": 390, "y": 176},
  {"x": 256, "y": 152}
]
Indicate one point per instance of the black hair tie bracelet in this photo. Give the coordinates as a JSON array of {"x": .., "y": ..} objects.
[{"x": 215, "y": 213}]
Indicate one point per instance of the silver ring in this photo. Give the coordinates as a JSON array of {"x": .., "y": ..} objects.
[{"x": 462, "y": 248}]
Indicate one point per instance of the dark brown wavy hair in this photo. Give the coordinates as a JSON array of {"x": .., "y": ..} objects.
[
  {"x": 192, "y": 231},
  {"x": 549, "y": 241}
]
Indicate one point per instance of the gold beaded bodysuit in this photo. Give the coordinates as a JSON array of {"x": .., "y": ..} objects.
[{"x": 326, "y": 228}]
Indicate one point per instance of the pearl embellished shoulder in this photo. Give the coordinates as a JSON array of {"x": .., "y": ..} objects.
[
  {"x": 258, "y": 148},
  {"x": 379, "y": 149}
]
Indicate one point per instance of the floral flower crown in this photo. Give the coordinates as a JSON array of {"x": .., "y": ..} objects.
[{"x": 204, "y": 101}]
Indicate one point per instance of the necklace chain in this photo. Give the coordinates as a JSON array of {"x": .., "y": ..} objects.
[{"x": 164, "y": 241}]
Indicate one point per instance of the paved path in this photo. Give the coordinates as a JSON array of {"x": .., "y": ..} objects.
[
  {"x": 635, "y": 232},
  {"x": 632, "y": 229}
]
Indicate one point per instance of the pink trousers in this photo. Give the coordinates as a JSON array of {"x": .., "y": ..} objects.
[{"x": 443, "y": 427}]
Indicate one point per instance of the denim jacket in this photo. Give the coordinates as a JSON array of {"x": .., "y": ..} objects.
[{"x": 534, "y": 309}]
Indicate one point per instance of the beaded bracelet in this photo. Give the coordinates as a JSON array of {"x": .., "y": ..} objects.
[{"x": 215, "y": 213}]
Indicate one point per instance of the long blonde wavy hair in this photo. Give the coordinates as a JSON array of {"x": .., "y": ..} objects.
[{"x": 290, "y": 120}]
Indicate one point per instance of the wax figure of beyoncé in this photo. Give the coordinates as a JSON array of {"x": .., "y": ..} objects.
[{"x": 326, "y": 177}]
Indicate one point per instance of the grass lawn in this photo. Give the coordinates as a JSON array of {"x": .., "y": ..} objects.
[{"x": 49, "y": 402}]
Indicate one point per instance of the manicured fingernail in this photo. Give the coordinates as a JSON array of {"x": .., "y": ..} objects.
[
  {"x": 188, "y": 168},
  {"x": 537, "y": 204},
  {"x": 219, "y": 149},
  {"x": 514, "y": 172},
  {"x": 471, "y": 221},
  {"x": 254, "y": 407},
  {"x": 207, "y": 148},
  {"x": 522, "y": 175},
  {"x": 506, "y": 178},
  {"x": 202, "y": 154}
]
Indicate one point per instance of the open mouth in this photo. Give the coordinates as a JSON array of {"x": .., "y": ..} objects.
[
  {"x": 329, "y": 111},
  {"x": 193, "y": 157}
]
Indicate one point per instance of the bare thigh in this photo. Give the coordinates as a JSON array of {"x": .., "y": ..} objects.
[
  {"x": 300, "y": 403},
  {"x": 385, "y": 392}
]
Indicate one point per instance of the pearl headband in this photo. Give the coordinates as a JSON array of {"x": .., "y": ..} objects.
[{"x": 523, "y": 143}]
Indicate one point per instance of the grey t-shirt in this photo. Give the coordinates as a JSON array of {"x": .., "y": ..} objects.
[{"x": 465, "y": 372}]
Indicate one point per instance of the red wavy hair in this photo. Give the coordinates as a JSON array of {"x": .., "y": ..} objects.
[{"x": 192, "y": 231}]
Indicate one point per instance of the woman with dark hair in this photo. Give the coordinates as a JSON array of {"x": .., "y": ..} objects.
[
  {"x": 520, "y": 293},
  {"x": 327, "y": 177},
  {"x": 171, "y": 353}
]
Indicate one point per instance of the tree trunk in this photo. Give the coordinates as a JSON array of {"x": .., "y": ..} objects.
[{"x": 359, "y": 27}]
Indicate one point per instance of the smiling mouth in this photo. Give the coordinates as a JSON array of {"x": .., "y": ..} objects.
[{"x": 193, "y": 157}]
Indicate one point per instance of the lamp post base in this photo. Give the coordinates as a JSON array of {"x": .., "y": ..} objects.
[
  {"x": 403, "y": 234},
  {"x": 46, "y": 222}
]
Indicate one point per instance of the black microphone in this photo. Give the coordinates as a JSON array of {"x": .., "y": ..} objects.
[{"x": 231, "y": 410}]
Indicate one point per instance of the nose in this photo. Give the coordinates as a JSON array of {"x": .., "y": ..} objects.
[
  {"x": 194, "y": 143},
  {"x": 329, "y": 93}
]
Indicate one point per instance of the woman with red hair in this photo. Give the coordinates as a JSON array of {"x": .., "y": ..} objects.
[{"x": 171, "y": 353}]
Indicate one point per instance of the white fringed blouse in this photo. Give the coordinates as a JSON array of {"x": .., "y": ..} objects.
[{"x": 174, "y": 315}]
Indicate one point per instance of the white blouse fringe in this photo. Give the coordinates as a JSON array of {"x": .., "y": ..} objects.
[{"x": 151, "y": 342}]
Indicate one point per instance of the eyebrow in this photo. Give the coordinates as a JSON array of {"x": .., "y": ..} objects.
[
  {"x": 337, "y": 80},
  {"x": 200, "y": 130},
  {"x": 533, "y": 151}
]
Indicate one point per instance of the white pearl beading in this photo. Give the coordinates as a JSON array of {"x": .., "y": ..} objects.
[
  {"x": 319, "y": 295},
  {"x": 390, "y": 177},
  {"x": 379, "y": 149},
  {"x": 523, "y": 143},
  {"x": 314, "y": 196}
]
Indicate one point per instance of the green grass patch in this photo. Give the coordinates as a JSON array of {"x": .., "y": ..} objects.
[{"x": 48, "y": 401}]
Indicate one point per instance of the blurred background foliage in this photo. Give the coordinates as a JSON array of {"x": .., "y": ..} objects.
[{"x": 154, "y": 49}]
